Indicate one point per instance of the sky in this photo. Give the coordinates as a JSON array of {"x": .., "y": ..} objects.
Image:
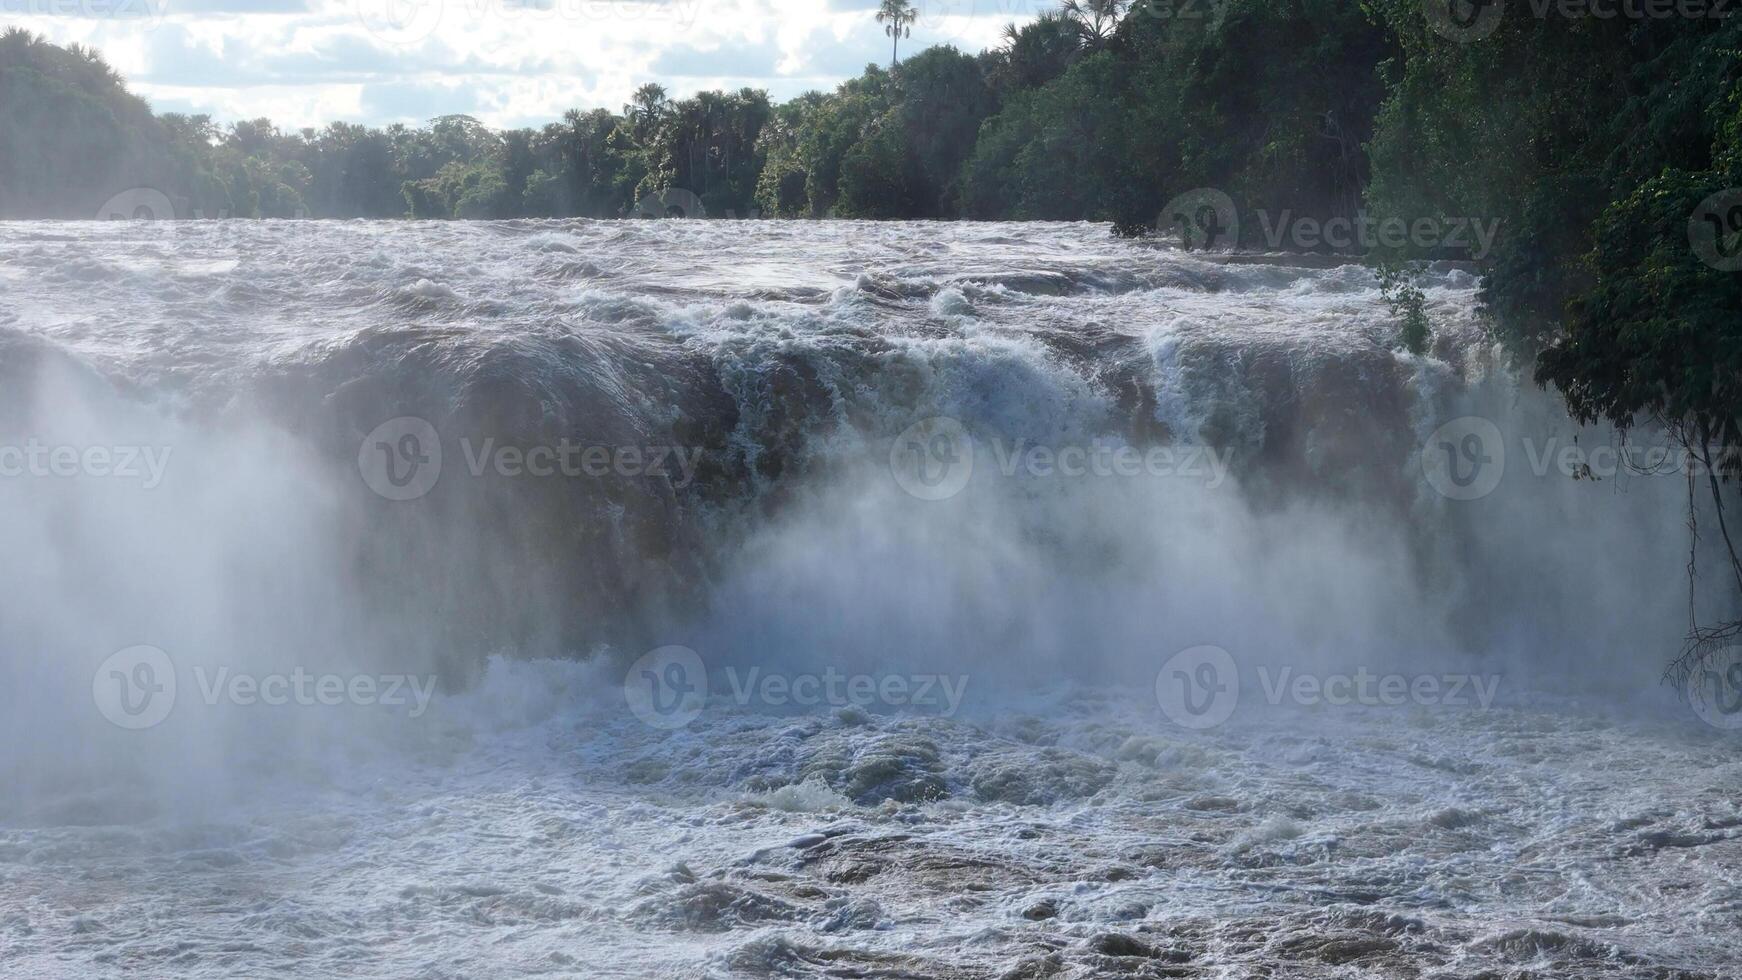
[{"x": 507, "y": 62}]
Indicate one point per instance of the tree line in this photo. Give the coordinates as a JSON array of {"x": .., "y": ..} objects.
[{"x": 1090, "y": 112}]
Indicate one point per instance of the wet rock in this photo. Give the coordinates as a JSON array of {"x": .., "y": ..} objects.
[
  {"x": 1521, "y": 945},
  {"x": 1046, "y": 908},
  {"x": 863, "y": 913},
  {"x": 644, "y": 771},
  {"x": 1454, "y": 818},
  {"x": 945, "y": 869},
  {"x": 1034, "y": 968},
  {"x": 1033, "y": 731},
  {"x": 1375, "y": 922},
  {"x": 783, "y": 956},
  {"x": 871, "y": 768},
  {"x": 1335, "y": 950},
  {"x": 1214, "y": 804},
  {"x": 715, "y": 906},
  {"x": 1120, "y": 944},
  {"x": 1037, "y": 779}
]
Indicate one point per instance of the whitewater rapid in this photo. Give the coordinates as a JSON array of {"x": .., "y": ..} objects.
[{"x": 938, "y": 525}]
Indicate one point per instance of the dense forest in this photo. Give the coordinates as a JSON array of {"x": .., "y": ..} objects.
[{"x": 1605, "y": 152}]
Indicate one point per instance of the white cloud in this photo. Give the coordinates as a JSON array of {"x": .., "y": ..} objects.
[{"x": 509, "y": 62}]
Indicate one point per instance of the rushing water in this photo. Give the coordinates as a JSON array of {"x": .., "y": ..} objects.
[{"x": 943, "y": 521}]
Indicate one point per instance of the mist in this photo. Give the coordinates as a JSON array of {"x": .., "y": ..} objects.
[{"x": 943, "y": 547}]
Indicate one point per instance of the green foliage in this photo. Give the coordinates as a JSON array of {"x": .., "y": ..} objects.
[
  {"x": 833, "y": 131},
  {"x": 1094, "y": 21},
  {"x": 878, "y": 176},
  {"x": 70, "y": 133},
  {"x": 1659, "y": 331},
  {"x": 780, "y": 187},
  {"x": 1270, "y": 101},
  {"x": 1108, "y": 112},
  {"x": 1543, "y": 125},
  {"x": 1408, "y": 304},
  {"x": 939, "y": 103},
  {"x": 1057, "y": 153},
  {"x": 1034, "y": 54},
  {"x": 543, "y": 194}
]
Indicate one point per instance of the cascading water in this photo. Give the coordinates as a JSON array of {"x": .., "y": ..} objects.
[{"x": 1021, "y": 467}]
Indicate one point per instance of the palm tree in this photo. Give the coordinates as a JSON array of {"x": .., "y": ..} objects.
[
  {"x": 645, "y": 108},
  {"x": 1095, "y": 19},
  {"x": 898, "y": 16}
]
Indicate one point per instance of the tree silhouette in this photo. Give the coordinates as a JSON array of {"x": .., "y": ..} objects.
[
  {"x": 1096, "y": 20},
  {"x": 897, "y": 16}
]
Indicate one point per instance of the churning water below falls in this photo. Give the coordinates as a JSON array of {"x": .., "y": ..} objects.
[{"x": 814, "y": 599}]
